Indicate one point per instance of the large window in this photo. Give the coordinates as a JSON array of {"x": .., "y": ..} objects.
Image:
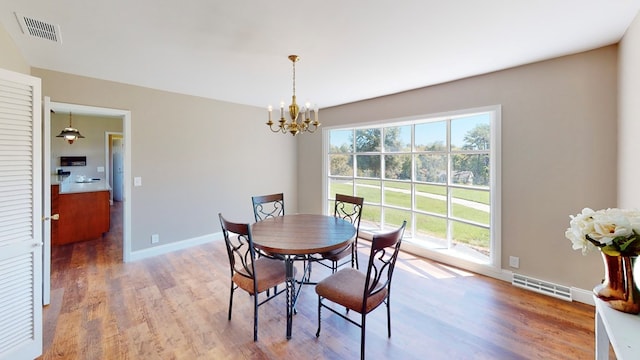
[{"x": 438, "y": 173}]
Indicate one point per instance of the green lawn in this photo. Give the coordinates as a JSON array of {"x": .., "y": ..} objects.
[{"x": 428, "y": 225}]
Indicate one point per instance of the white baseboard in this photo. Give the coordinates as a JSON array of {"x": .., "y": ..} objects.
[
  {"x": 583, "y": 296},
  {"x": 579, "y": 295},
  {"x": 174, "y": 246}
]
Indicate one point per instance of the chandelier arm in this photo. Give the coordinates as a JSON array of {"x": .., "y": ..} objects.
[{"x": 276, "y": 130}]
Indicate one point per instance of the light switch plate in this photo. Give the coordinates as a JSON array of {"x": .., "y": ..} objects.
[
  {"x": 137, "y": 181},
  {"x": 100, "y": 169}
]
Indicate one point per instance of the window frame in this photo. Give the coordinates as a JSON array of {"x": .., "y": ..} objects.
[{"x": 493, "y": 266}]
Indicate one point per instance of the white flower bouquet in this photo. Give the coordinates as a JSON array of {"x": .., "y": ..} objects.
[{"x": 614, "y": 231}]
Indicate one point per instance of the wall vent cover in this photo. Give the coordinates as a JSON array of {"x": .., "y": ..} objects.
[
  {"x": 542, "y": 287},
  {"x": 39, "y": 29}
]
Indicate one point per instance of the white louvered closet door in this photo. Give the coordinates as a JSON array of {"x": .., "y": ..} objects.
[{"x": 20, "y": 217}]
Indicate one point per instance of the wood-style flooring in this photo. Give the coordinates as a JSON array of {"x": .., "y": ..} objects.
[{"x": 174, "y": 306}]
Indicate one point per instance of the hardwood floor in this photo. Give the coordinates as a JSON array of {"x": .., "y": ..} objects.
[{"x": 174, "y": 306}]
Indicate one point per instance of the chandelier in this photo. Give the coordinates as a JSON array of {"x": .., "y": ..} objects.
[
  {"x": 70, "y": 133},
  {"x": 294, "y": 126}
]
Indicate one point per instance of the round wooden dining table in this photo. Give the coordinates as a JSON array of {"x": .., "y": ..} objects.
[{"x": 294, "y": 237}]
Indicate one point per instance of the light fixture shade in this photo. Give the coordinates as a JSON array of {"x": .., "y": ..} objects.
[{"x": 70, "y": 134}]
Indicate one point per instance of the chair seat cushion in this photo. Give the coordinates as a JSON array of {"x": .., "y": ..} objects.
[
  {"x": 338, "y": 254},
  {"x": 346, "y": 287},
  {"x": 269, "y": 273}
]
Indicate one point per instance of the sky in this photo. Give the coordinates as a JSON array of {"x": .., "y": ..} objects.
[{"x": 428, "y": 132}]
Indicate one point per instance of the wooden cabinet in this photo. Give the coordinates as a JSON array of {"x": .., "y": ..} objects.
[{"x": 83, "y": 216}]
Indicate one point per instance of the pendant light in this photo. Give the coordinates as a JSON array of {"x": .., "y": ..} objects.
[{"x": 70, "y": 133}]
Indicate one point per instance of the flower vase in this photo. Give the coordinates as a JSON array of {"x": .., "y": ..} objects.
[{"x": 618, "y": 289}]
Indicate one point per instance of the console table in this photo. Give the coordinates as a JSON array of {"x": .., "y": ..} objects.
[{"x": 619, "y": 329}]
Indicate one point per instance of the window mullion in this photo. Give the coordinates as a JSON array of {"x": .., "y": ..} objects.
[{"x": 448, "y": 187}]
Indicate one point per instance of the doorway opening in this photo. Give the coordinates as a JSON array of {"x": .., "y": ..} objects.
[
  {"x": 125, "y": 138},
  {"x": 114, "y": 160}
]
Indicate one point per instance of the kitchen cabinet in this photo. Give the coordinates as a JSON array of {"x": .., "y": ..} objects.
[{"x": 84, "y": 215}]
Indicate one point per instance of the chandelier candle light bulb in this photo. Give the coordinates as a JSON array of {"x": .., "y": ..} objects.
[{"x": 293, "y": 126}]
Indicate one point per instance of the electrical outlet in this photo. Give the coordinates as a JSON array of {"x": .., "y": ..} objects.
[
  {"x": 514, "y": 262},
  {"x": 155, "y": 238}
]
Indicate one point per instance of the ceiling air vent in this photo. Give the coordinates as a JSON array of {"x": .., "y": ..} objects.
[{"x": 39, "y": 29}]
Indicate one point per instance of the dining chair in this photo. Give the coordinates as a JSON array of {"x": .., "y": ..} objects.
[
  {"x": 268, "y": 206},
  {"x": 248, "y": 272},
  {"x": 348, "y": 208},
  {"x": 271, "y": 206},
  {"x": 362, "y": 292}
]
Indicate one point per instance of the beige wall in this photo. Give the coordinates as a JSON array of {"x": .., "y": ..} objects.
[
  {"x": 92, "y": 146},
  {"x": 558, "y": 130},
  {"x": 629, "y": 118},
  {"x": 10, "y": 56},
  {"x": 558, "y": 152},
  {"x": 196, "y": 157}
]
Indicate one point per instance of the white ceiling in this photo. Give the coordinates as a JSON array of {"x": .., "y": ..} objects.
[{"x": 350, "y": 50}]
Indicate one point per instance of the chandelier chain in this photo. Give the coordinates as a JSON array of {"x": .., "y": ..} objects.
[{"x": 294, "y": 78}]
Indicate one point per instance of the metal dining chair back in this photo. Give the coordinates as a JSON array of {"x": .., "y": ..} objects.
[
  {"x": 268, "y": 206},
  {"x": 347, "y": 208},
  {"x": 362, "y": 292},
  {"x": 248, "y": 272}
]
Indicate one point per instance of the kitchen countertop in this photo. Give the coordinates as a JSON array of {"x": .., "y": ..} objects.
[{"x": 68, "y": 185}]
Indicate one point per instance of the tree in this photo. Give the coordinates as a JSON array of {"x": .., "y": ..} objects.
[
  {"x": 478, "y": 138},
  {"x": 341, "y": 164},
  {"x": 395, "y": 166},
  {"x": 368, "y": 140}
]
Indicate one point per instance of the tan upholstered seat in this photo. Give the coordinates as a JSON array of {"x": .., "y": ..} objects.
[
  {"x": 269, "y": 273},
  {"x": 346, "y": 287}
]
